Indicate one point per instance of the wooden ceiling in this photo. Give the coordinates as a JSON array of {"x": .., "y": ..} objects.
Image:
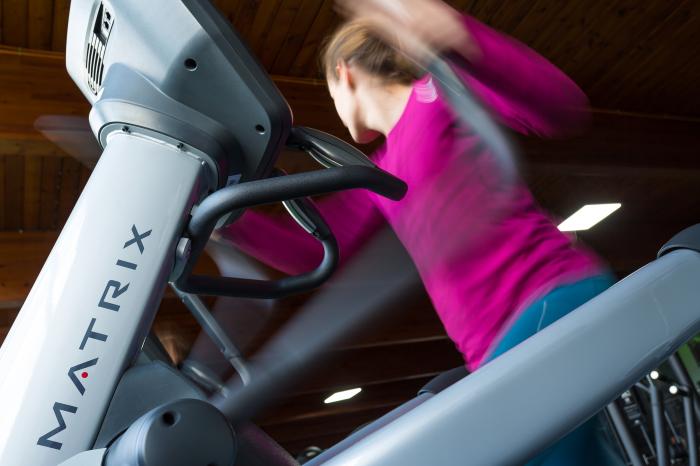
[
  {"x": 636, "y": 60},
  {"x": 634, "y": 55}
]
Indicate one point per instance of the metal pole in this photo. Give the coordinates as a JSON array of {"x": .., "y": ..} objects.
[
  {"x": 216, "y": 333},
  {"x": 623, "y": 431},
  {"x": 681, "y": 374},
  {"x": 657, "y": 415},
  {"x": 691, "y": 440}
]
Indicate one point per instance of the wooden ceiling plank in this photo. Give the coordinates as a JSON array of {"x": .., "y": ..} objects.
[
  {"x": 312, "y": 404},
  {"x": 557, "y": 18},
  {"x": 28, "y": 146},
  {"x": 660, "y": 21},
  {"x": 40, "y": 24},
  {"x": 226, "y": 7},
  {"x": 2, "y": 192},
  {"x": 307, "y": 431},
  {"x": 306, "y": 61},
  {"x": 491, "y": 14},
  {"x": 328, "y": 415},
  {"x": 624, "y": 140},
  {"x": 34, "y": 83},
  {"x": 412, "y": 321},
  {"x": 510, "y": 18},
  {"x": 576, "y": 38},
  {"x": 14, "y": 23},
  {"x": 311, "y": 103},
  {"x": 14, "y": 192},
  {"x": 61, "y": 9},
  {"x": 296, "y": 36},
  {"x": 264, "y": 21},
  {"x": 69, "y": 189},
  {"x": 283, "y": 20},
  {"x": 84, "y": 177},
  {"x": 461, "y": 5},
  {"x": 594, "y": 41},
  {"x": 23, "y": 255},
  {"x": 645, "y": 87},
  {"x": 32, "y": 192},
  {"x": 471, "y": 7},
  {"x": 244, "y": 16},
  {"x": 50, "y": 185},
  {"x": 359, "y": 367}
]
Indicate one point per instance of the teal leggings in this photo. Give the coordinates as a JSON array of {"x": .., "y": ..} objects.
[{"x": 587, "y": 445}]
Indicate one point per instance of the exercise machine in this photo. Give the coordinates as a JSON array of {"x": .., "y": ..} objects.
[{"x": 190, "y": 127}]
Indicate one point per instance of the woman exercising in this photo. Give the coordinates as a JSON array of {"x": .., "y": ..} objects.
[{"x": 495, "y": 266}]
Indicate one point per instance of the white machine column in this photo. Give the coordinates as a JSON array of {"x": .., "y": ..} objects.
[{"x": 94, "y": 300}]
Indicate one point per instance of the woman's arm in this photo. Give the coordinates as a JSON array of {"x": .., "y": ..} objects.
[
  {"x": 282, "y": 244},
  {"x": 524, "y": 89},
  {"x": 527, "y": 92}
]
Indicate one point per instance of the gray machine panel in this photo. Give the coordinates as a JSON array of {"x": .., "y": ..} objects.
[
  {"x": 201, "y": 64},
  {"x": 542, "y": 389}
]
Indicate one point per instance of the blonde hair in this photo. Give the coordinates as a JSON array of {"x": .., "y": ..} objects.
[{"x": 354, "y": 42}]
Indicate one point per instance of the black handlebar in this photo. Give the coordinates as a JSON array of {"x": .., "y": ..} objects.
[
  {"x": 327, "y": 149},
  {"x": 290, "y": 188}
]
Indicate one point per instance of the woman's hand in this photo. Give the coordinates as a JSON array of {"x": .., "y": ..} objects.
[{"x": 419, "y": 28}]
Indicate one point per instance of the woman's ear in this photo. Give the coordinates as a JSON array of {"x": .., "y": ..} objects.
[{"x": 345, "y": 74}]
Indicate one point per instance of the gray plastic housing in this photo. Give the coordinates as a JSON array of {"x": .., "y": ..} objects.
[
  {"x": 521, "y": 402},
  {"x": 686, "y": 239},
  {"x": 183, "y": 72},
  {"x": 142, "y": 388},
  {"x": 186, "y": 432}
]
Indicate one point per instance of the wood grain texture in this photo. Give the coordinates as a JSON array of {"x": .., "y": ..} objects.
[
  {"x": 40, "y": 21},
  {"x": 14, "y": 22},
  {"x": 59, "y": 28},
  {"x": 32, "y": 192}
]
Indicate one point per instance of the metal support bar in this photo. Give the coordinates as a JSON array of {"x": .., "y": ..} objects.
[
  {"x": 216, "y": 333},
  {"x": 681, "y": 374},
  {"x": 657, "y": 416},
  {"x": 623, "y": 431},
  {"x": 690, "y": 427}
]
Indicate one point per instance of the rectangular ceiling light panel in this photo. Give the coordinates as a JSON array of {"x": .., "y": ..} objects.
[{"x": 588, "y": 216}]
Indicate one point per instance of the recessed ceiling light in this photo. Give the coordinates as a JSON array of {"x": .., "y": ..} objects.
[
  {"x": 588, "y": 216},
  {"x": 654, "y": 375},
  {"x": 342, "y": 396}
]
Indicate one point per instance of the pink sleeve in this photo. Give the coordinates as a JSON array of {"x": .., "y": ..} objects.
[
  {"x": 282, "y": 244},
  {"x": 527, "y": 92}
]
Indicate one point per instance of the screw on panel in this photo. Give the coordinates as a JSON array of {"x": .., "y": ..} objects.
[
  {"x": 182, "y": 255},
  {"x": 181, "y": 146},
  {"x": 125, "y": 129}
]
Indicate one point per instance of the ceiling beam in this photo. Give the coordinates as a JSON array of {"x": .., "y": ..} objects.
[
  {"x": 35, "y": 83},
  {"x": 621, "y": 141}
]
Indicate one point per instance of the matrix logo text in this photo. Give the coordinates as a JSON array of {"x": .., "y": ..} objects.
[{"x": 93, "y": 340}]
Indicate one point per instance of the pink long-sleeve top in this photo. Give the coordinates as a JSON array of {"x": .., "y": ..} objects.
[{"x": 483, "y": 256}]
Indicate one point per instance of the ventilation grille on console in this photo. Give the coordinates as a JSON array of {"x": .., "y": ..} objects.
[{"x": 96, "y": 47}]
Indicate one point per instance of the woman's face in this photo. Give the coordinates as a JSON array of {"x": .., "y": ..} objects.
[{"x": 345, "y": 92}]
